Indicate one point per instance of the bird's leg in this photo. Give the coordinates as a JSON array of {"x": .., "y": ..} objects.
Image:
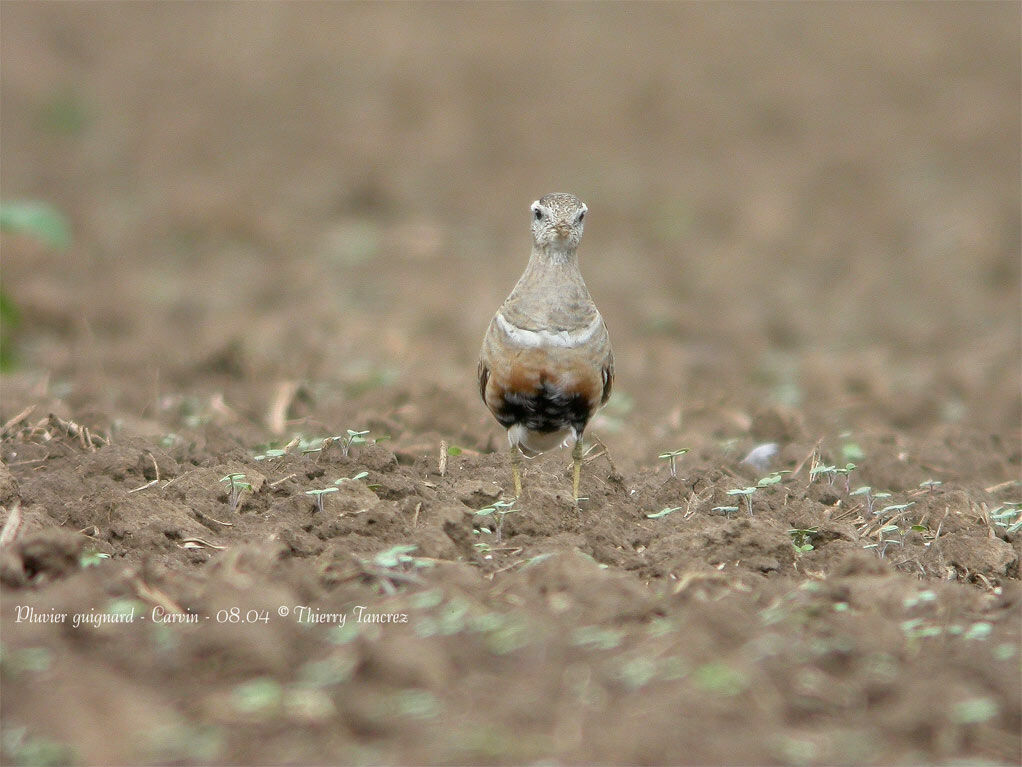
[
  {"x": 576, "y": 455},
  {"x": 516, "y": 472}
]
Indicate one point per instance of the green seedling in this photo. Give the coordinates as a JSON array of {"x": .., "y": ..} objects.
[
  {"x": 846, "y": 472},
  {"x": 746, "y": 492},
  {"x": 851, "y": 451},
  {"x": 930, "y": 485},
  {"x": 801, "y": 538},
  {"x": 318, "y": 495},
  {"x": 827, "y": 470},
  {"x": 773, "y": 478},
  {"x": 725, "y": 509},
  {"x": 237, "y": 486},
  {"x": 1008, "y": 518},
  {"x": 673, "y": 456},
  {"x": 396, "y": 565},
  {"x": 886, "y": 510},
  {"x": 501, "y": 509},
  {"x": 974, "y": 711},
  {"x": 270, "y": 454},
  {"x": 351, "y": 438},
  {"x": 397, "y": 556},
  {"x": 664, "y": 512},
  {"x": 27, "y": 749},
  {"x": 865, "y": 490},
  {"x": 355, "y": 478},
  {"x": 38, "y": 220},
  {"x": 92, "y": 558},
  {"x": 885, "y": 542}
]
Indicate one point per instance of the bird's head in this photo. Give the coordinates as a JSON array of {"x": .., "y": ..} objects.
[{"x": 557, "y": 221}]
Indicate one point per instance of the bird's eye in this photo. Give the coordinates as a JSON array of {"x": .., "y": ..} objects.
[
  {"x": 581, "y": 216},
  {"x": 539, "y": 214}
]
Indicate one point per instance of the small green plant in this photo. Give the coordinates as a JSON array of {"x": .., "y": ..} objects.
[
  {"x": 974, "y": 711},
  {"x": 354, "y": 478},
  {"x": 23, "y": 748},
  {"x": 801, "y": 538},
  {"x": 846, "y": 472},
  {"x": 270, "y": 454},
  {"x": 717, "y": 677},
  {"x": 725, "y": 509},
  {"x": 930, "y": 485},
  {"x": 773, "y": 478},
  {"x": 501, "y": 509},
  {"x": 745, "y": 492},
  {"x": 43, "y": 223},
  {"x": 10, "y": 318},
  {"x": 664, "y": 512},
  {"x": 346, "y": 441},
  {"x": 257, "y": 696},
  {"x": 672, "y": 456},
  {"x": 865, "y": 490},
  {"x": 483, "y": 548},
  {"x": 236, "y": 486},
  {"x": 92, "y": 558},
  {"x": 38, "y": 220},
  {"x": 1009, "y": 518},
  {"x": 881, "y": 546},
  {"x": 396, "y": 556},
  {"x": 318, "y": 495},
  {"x": 827, "y": 470},
  {"x": 396, "y": 565},
  {"x": 851, "y": 451},
  {"x": 887, "y": 510}
]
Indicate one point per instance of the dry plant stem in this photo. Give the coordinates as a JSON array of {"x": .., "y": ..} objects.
[
  {"x": 16, "y": 420},
  {"x": 12, "y": 527},
  {"x": 809, "y": 456}
]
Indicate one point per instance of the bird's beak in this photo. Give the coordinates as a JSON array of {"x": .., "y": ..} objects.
[{"x": 562, "y": 230}]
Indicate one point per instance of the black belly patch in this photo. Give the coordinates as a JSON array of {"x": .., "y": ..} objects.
[{"x": 546, "y": 410}]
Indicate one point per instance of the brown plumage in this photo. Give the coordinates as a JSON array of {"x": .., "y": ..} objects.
[{"x": 546, "y": 363}]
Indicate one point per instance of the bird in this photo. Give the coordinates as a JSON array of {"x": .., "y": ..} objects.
[{"x": 546, "y": 364}]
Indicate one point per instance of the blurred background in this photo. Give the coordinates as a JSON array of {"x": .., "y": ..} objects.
[{"x": 806, "y": 207}]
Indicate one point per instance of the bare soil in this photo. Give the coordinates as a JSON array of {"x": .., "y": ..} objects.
[{"x": 291, "y": 224}]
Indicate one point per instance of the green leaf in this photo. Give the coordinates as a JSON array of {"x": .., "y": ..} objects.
[
  {"x": 742, "y": 491},
  {"x": 974, "y": 711},
  {"x": 395, "y": 555},
  {"x": 323, "y": 491},
  {"x": 717, "y": 677},
  {"x": 257, "y": 695},
  {"x": 896, "y": 507},
  {"x": 673, "y": 453},
  {"x": 979, "y": 630},
  {"x": 851, "y": 451},
  {"x": 663, "y": 512},
  {"x": 36, "y": 219}
]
